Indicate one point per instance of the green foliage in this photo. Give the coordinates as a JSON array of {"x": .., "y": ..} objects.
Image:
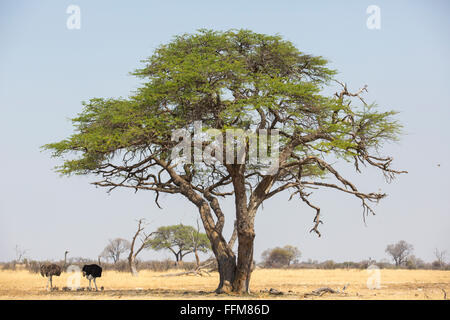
[
  {"x": 279, "y": 257},
  {"x": 226, "y": 80},
  {"x": 180, "y": 240}
]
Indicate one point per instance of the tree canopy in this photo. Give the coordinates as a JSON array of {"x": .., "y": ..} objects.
[
  {"x": 235, "y": 79},
  {"x": 278, "y": 256},
  {"x": 179, "y": 239},
  {"x": 400, "y": 252},
  {"x": 115, "y": 249}
]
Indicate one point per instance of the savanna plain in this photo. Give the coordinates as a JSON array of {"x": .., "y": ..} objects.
[{"x": 296, "y": 284}]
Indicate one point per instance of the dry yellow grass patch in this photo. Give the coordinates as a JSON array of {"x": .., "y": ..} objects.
[{"x": 395, "y": 284}]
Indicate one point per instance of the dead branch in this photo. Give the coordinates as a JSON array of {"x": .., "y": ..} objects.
[
  {"x": 133, "y": 254},
  {"x": 273, "y": 291},
  {"x": 198, "y": 271},
  {"x": 345, "y": 92},
  {"x": 321, "y": 291}
]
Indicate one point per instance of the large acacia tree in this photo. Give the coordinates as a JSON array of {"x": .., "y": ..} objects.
[{"x": 236, "y": 79}]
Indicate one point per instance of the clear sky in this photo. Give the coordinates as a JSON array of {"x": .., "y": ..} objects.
[{"x": 46, "y": 70}]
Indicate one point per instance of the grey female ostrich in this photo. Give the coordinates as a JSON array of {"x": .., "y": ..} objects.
[
  {"x": 92, "y": 272},
  {"x": 50, "y": 270}
]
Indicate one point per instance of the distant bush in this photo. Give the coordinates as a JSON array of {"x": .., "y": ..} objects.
[
  {"x": 280, "y": 257},
  {"x": 329, "y": 264},
  {"x": 159, "y": 266},
  {"x": 121, "y": 265},
  {"x": 436, "y": 265},
  {"x": 33, "y": 266},
  {"x": 412, "y": 263},
  {"x": 9, "y": 266}
]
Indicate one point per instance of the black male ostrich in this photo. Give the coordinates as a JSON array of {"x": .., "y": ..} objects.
[
  {"x": 91, "y": 272},
  {"x": 50, "y": 270}
]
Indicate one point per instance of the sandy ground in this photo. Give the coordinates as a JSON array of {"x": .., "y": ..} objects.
[{"x": 394, "y": 284}]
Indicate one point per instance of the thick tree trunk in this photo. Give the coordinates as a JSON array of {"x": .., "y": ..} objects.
[
  {"x": 225, "y": 257},
  {"x": 244, "y": 268},
  {"x": 245, "y": 231},
  {"x": 241, "y": 283},
  {"x": 234, "y": 276},
  {"x": 226, "y": 262},
  {"x": 245, "y": 218}
]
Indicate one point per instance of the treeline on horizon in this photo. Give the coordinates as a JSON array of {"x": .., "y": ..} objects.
[{"x": 168, "y": 264}]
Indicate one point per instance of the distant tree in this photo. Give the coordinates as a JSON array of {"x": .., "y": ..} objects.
[
  {"x": 294, "y": 253},
  {"x": 440, "y": 258},
  {"x": 413, "y": 262},
  {"x": 399, "y": 252},
  {"x": 180, "y": 240},
  {"x": 410, "y": 262},
  {"x": 132, "y": 256},
  {"x": 115, "y": 249},
  {"x": 328, "y": 264},
  {"x": 20, "y": 253},
  {"x": 198, "y": 240},
  {"x": 278, "y": 257}
]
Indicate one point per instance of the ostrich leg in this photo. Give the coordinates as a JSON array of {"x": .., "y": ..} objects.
[
  {"x": 90, "y": 283},
  {"x": 95, "y": 283}
]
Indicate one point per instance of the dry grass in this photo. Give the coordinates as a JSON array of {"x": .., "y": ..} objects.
[{"x": 395, "y": 284}]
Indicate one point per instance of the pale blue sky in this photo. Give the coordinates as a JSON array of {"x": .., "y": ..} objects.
[{"x": 46, "y": 70}]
